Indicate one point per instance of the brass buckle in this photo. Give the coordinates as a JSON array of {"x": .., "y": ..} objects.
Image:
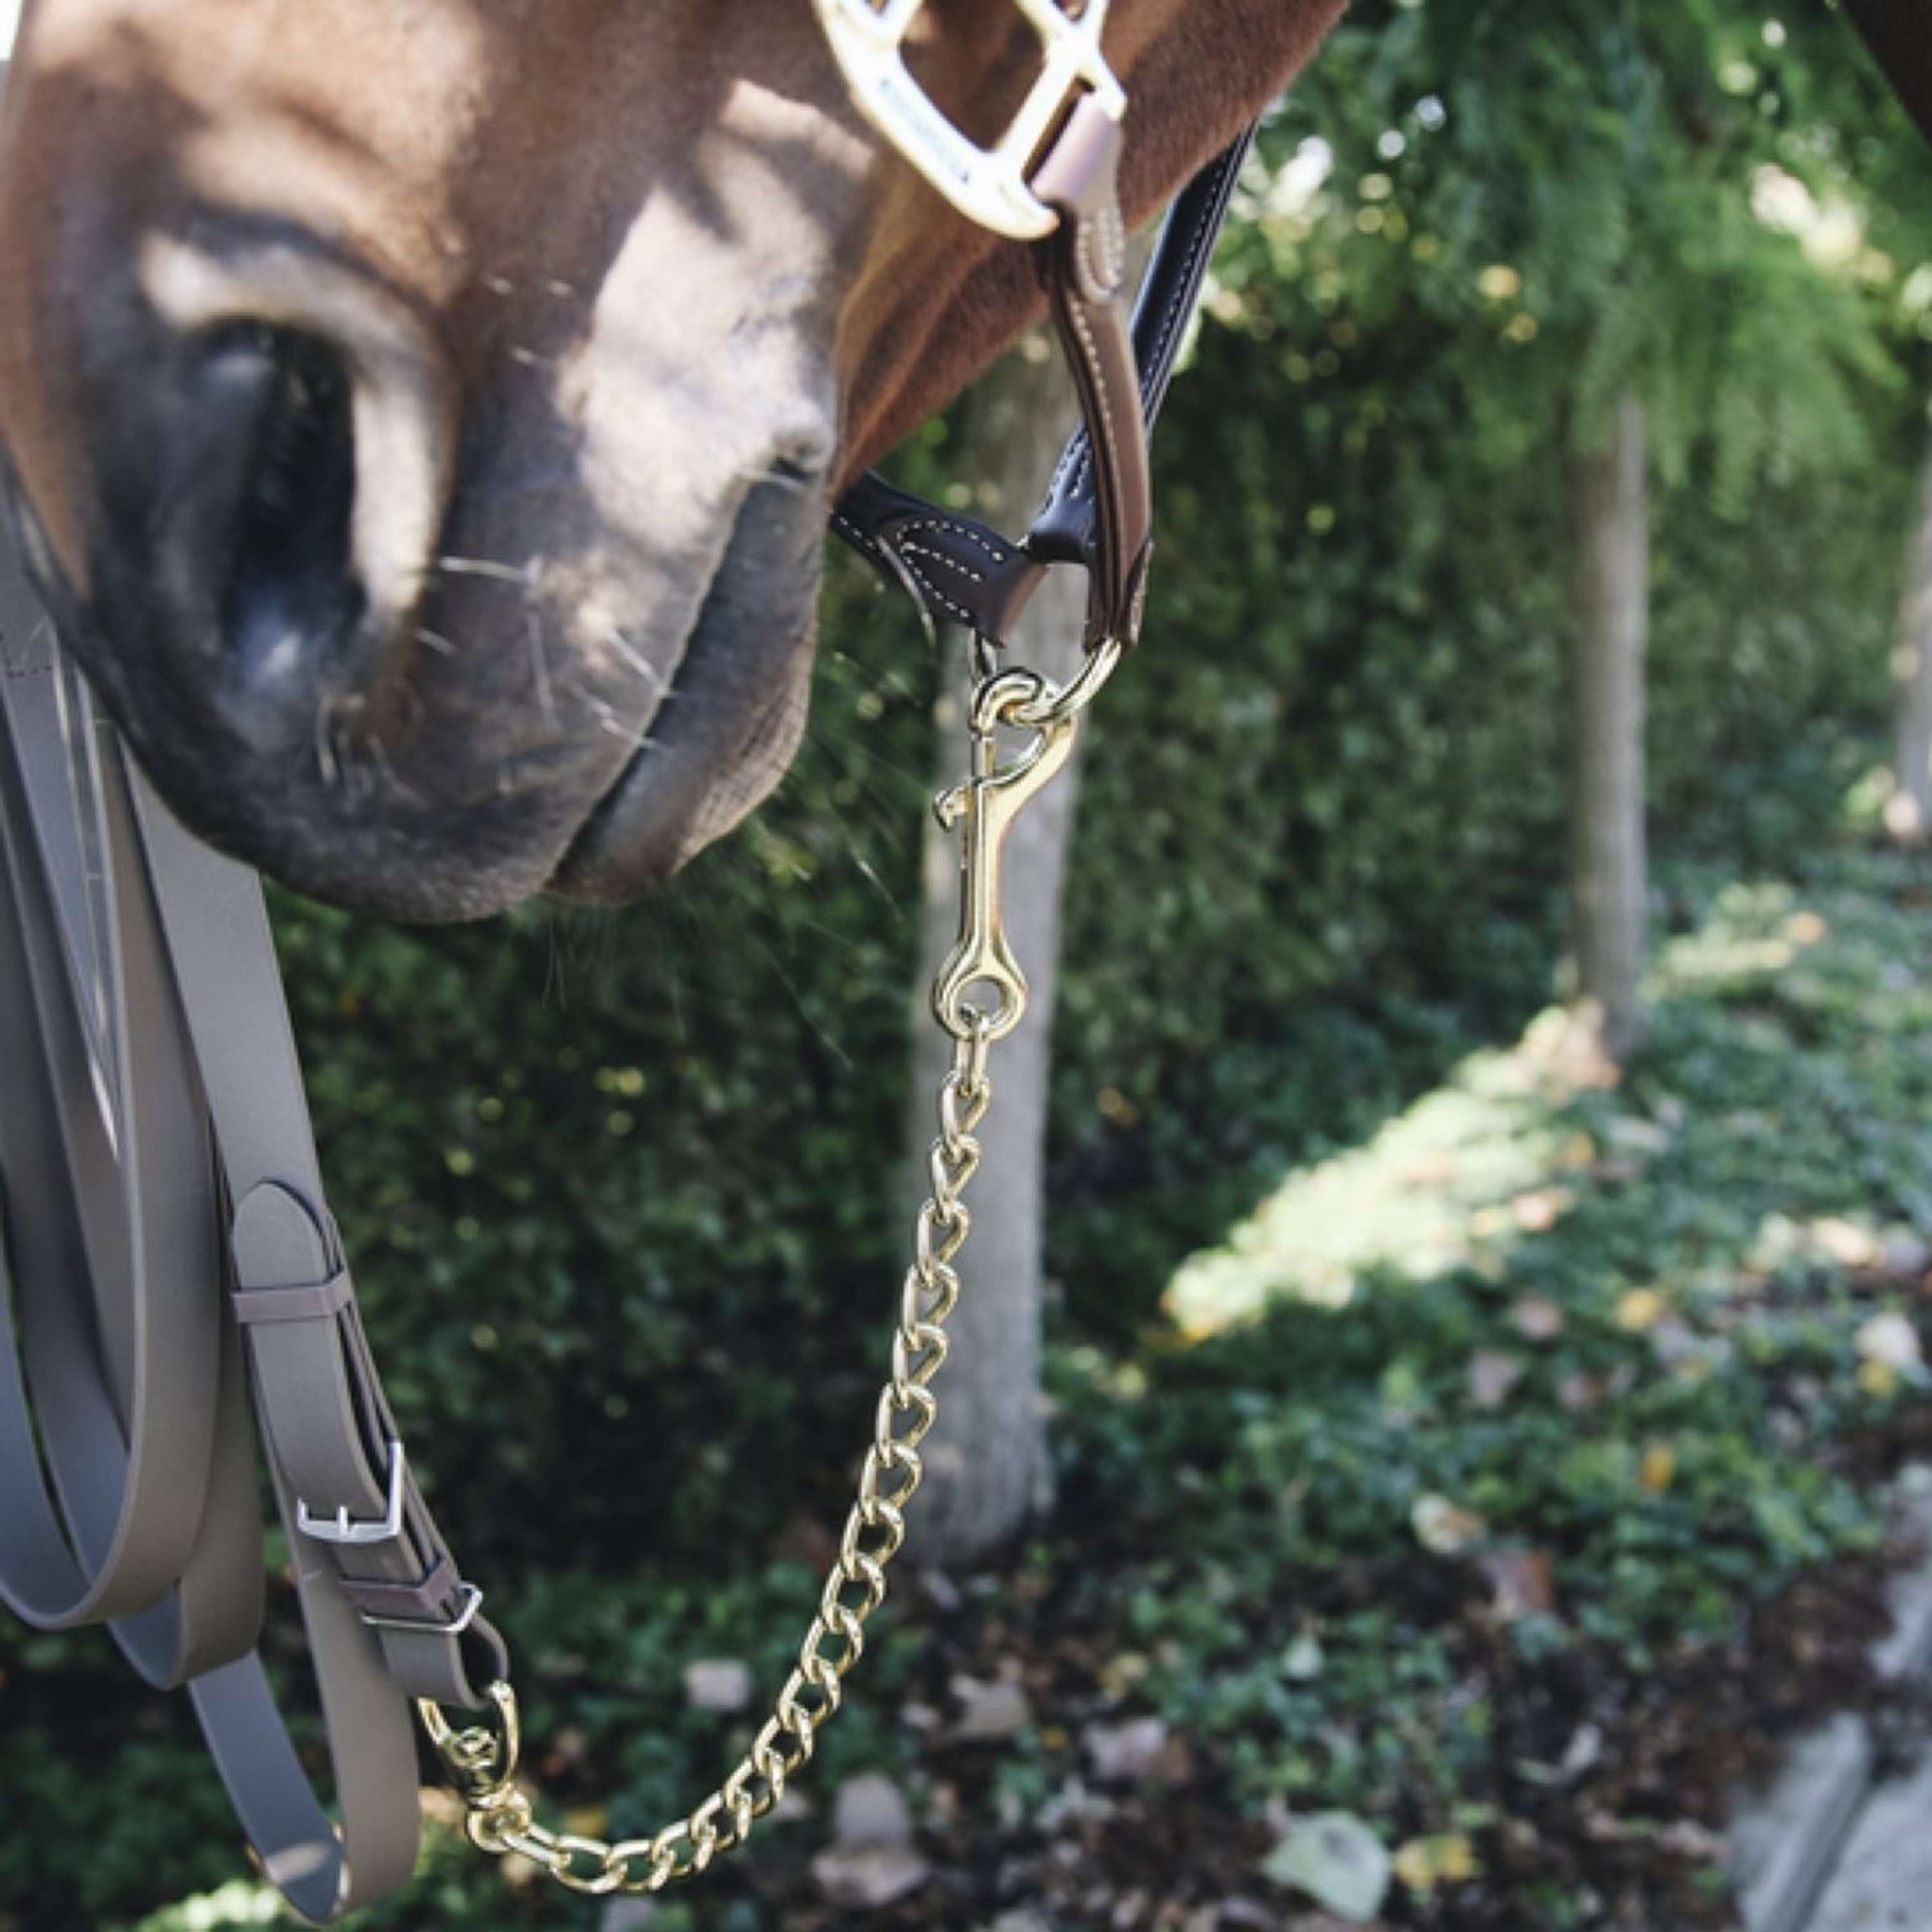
[{"x": 988, "y": 185}]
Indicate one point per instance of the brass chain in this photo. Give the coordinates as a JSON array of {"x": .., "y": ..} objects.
[{"x": 482, "y": 1759}]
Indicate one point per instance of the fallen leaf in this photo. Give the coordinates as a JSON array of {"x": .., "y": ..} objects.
[
  {"x": 1878, "y": 1378},
  {"x": 1537, "y": 1318},
  {"x": 1492, "y": 1375},
  {"x": 1890, "y": 1339},
  {"x": 1631, "y": 1134},
  {"x": 1446, "y": 1858},
  {"x": 1689, "y": 1839},
  {"x": 1584, "y": 1747},
  {"x": 1337, "y": 1861},
  {"x": 1126, "y": 1752},
  {"x": 871, "y": 1878},
  {"x": 1520, "y": 1579},
  {"x": 628, "y": 1915},
  {"x": 1302, "y": 1662},
  {"x": 717, "y": 1683},
  {"x": 1639, "y": 1309},
  {"x": 1905, "y": 1258},
  {"x": 872, "y": 1862},
  {"x": 1441, "y": 1527},
  {"x": 871, "y": 1810},
  {"x": 1845, "y": 1242},
  {"x": 1537, "y": 1212},
  {"x": 1674, "y": 1341},
  {"x": 1120, "y": 1673},
  {"x": 1579, "y": 1393},
  {"x": 989, "y": 1711}
]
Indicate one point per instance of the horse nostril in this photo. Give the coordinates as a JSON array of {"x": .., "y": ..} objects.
[{"x": 282, "y": 401}]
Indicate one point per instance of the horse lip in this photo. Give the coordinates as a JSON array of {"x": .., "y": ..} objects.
[{"x": 725, "y": 729}]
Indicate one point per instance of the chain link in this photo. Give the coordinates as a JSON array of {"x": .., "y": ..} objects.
[{"x": 482, "y": 1759}]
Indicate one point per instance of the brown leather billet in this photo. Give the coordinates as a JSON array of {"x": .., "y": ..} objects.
[
  {"x": 1086, "y": 265},
  {"x": 1063, "y": 527}
]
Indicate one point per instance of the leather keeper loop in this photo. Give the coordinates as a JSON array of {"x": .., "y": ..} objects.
[
  {"x": 318, "y": 1301},
  {"x": 422, "y": 1602}
]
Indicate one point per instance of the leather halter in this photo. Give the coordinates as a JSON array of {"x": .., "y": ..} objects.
[
  {"x": 1097, "y": 515},
  {"x": 173, "y": 1265}
]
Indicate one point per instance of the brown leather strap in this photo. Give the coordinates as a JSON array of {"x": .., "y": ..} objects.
[
  {"x": 959, "y": 570},
  {"x": 1086, "y": 259}
]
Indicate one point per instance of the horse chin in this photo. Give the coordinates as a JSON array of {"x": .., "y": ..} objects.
[{"x": 726, "y": 730}]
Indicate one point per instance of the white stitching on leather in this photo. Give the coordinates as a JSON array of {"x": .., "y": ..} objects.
[
  {"x": 939, "y": 556},
  {"x": 976, "y": 538}
]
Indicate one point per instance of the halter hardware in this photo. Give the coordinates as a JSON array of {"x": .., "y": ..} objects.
[
  {"x": 987, "y": 806},
  {"x": 470, "y": 1596},
  {"x": 342, "y": 1529},
  {"x": 991, "y": 186}
]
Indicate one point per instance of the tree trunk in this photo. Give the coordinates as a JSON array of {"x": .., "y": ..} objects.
[
  {"x": 986, "y": 1465},
  {"x": 1908, "y": 811},
  {"x": 1612, "y": 586}
]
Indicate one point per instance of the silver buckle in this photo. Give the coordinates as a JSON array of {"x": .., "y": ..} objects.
[
  {"x": 473, "y": 1602},
  {"x": 988, "y": 185},
  {"x": 343, "y": 1528}
]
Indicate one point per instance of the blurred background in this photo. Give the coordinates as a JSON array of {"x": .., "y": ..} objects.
[{"x": 1433, "y": 1406}]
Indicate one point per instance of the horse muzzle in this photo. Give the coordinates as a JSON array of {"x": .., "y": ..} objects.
[{"x": 408, "y": 682}]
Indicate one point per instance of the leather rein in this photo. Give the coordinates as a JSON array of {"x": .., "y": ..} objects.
[{"x": 171, "y": 1283}]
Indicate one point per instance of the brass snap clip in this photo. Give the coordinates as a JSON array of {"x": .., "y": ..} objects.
[{"x": 987, "y": 805}]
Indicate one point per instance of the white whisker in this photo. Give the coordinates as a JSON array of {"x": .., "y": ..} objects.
[
  {"x": 325, "y": 747},
  {"x": 379, "y": 756},
  {"x": 636, "y": 659},
  {"x": 785, "y": 477},
  {"x": 483, "y": 566},
  {"x": 540, "y": 668}
]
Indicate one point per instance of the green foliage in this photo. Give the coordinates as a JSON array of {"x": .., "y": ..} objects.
[
  {"x": 1665, "y": 1443},
  {"x": 1601, "y": 198}
]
